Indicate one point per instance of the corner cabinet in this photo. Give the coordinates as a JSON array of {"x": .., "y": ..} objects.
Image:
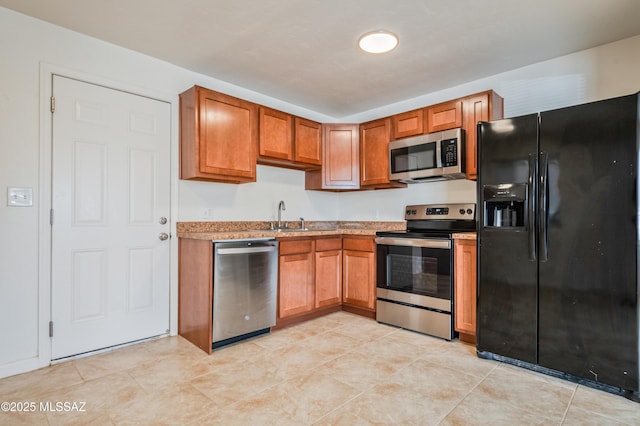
[
  {"x": 359, "y": 275},
  {"x": 465, "y": 282},
  {"x": 288, "y": 141},
  {"x": 340, "y": 160},
  {"x": 218, "y": 137}
]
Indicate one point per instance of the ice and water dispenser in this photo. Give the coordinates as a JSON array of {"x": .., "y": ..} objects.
[{"x": 505, "y": 205}]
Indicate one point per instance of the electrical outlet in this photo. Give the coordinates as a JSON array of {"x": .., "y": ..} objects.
[
  {"x": 207, "y": 213},
  {"x": 19, "y": 197}
]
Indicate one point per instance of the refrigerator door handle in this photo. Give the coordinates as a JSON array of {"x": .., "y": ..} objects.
[
  {"x": 531, "y": 208},
  {"x": 544, "y": 201}
]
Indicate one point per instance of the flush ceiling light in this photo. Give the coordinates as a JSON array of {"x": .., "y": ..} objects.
[{"x": 380, "y": 41}]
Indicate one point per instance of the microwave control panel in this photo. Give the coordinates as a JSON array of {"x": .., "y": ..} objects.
[{"x": 449, "y": 152}]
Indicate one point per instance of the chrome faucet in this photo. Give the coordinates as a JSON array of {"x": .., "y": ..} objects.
[{"x": 281, "y": 207}]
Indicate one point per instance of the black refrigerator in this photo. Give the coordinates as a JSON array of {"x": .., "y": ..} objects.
[{"x": 558, "y": 243}]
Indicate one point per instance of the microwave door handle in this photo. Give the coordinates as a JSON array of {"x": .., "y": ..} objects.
[{"x": 438, "y": 153}]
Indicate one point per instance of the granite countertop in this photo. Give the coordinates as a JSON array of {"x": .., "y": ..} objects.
[{"x": 256, "y": 229}]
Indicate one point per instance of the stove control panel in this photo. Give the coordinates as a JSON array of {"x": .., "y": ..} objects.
[{"x": 441, "y": 211}]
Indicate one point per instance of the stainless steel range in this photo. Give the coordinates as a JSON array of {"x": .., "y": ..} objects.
[{"x": 415, "y": 268}]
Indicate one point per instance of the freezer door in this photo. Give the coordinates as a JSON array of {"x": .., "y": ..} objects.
[
  {"x": 588, "y": 291},
  {"x": 507, "y": 267}
]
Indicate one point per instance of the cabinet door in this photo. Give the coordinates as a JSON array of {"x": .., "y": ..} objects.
[
  {"x": 358, "y": 278},
  {"x": 228, "y": 132},
  {"x": 465, "y": 286},
  {"x": 374, "y": 152},
  {"x": 276, "y": 134},
  {"x": 410, "y": 123},
  {"x": 328, "y": 278},
  {"x": 307, "y": 141},
  {"x": 445, "y": 116},
  {"x": 484, "y": 106},
  {"x": 296, "y": 284},
  {"x": 341, "y": 161},
  {"x": 476, "y": 108}
]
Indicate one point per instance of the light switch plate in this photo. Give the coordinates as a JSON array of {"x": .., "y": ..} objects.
[{"x": 19, "y": 197}]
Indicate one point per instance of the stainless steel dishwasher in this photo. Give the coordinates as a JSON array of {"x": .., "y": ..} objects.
[{"x": 245, "y": 280}]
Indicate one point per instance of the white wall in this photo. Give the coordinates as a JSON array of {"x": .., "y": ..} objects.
[
  {"x": 600, "y": 73},
  {"x": 26, "y": 43}
]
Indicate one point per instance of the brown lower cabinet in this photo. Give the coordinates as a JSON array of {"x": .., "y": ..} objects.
[
  {"x": 465, "y": 262},
  {"x": 359, "y": 275},
  {"x": 296, "y": 284},
  {"x": 328, "y": 275},
  {"x": 318, "y": 275},
  {"x": 195, "y": 291}
]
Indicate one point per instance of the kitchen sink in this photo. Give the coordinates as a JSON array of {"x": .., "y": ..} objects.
[{"x": 281, "y": 230}]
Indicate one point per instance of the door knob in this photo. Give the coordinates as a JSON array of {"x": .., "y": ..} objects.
[
  {"x": 163, "y": 220},
  {"x": 163, "y": 236}
]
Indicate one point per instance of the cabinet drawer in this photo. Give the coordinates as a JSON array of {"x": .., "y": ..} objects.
[
  {"x": 325, "y": 244},
  {"x": 359, "y": 244},
  {"x": 298, "y": 246}
]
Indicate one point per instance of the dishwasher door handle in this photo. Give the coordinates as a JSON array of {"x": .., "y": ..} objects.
[{"x": 245, "y": 250}]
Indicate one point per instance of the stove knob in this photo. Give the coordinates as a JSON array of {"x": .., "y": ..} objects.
[
  {"x": 461, "y": 211},
  {"x": 414, "y": 212},
  {"x": 469, "y": 211}
]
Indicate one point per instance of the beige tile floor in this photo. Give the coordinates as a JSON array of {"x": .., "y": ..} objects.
[{"x": 340, "y": 369}]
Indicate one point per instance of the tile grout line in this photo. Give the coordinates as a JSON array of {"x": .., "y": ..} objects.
[
  {"x": 566, "y": 410},
  {"x": 470, "y": 391}
]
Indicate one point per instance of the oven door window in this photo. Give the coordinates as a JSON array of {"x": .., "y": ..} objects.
[
  {"x": 412, "y": 158},
  {"x": 418, "y": 270}
]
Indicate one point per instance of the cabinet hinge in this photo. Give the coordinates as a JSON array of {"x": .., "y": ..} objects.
[
  {"x": 50, "y": 328},
  {"x": 53, "y": 104},
  {"x": 51, "y": 217}
]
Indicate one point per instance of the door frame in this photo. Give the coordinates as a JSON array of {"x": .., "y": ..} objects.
[{"x": 47, "y": 71}]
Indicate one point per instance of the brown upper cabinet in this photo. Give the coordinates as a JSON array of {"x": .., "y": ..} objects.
[
  {"x": 218, "y": 137},
  {"x": 374, "y": 155},
  {"x": 222, "y": 138},
  {"x": 410, "y": 123},
  {"x": 444, "y": 116},
  {"x": 463, "y": 112},
  {"x": 485, "y": 106},
  {"x": 340, "y": 160},
  {"x": 289, "y": 141},
  {"x": 276, "y": 135},
  {"x": 307, "y": 142}
]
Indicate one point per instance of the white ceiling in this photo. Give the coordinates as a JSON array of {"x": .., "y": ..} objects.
[{"x": 305, "y": 51}]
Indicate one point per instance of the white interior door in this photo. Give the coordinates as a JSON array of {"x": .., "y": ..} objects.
[{"x": 110, "y": 193}]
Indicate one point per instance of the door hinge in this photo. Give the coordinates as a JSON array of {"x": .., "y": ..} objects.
[
  {"x": 50, "y": 328},
  {"x": 51, "y": 217},
  {"x": 53, "y": 104}
]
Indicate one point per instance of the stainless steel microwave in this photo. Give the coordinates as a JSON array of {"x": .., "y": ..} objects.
[{"x": 435, "y": 156}]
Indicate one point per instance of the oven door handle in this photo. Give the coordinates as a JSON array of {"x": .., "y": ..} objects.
[{"x": 414, "y": 242}]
